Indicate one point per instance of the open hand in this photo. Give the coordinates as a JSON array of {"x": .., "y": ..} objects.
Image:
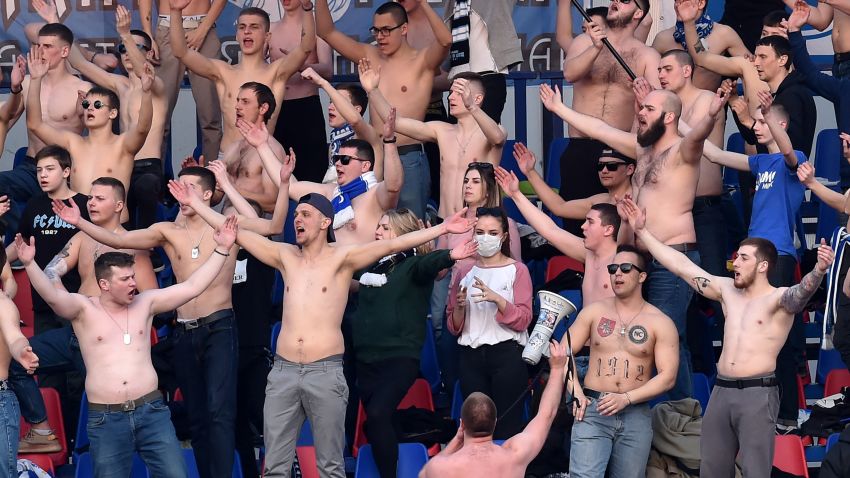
[
  {"x": 195, "y": 38},
  {"x": 799, "y": 16},
  {"x": 551, "y": 98},
  {"x": 68, "y": 213},
  {"x": 765, "y": 102},
  {"x": 180, "y": 192},
  {"x": 287, "y": 167},
  {"x": 122, "y": 20},
  {"x": 255, "y": 134},
  {"x": 845, "y": 145},
  {"x": 225, "y": 235},
  {"x": 634, "y": 215},
  {"x": 26, "y": 250},
  {"x": 220, "y": 171},
  {"x": 525, "y": 159},
  {"x": 28, "y": 360},
  {"x": 464, "y": 250},
  {"x": 389, "y": 124},
  {"x": 508, "y": 181},
  {"x": 19, "y": 71},
  {"x": 38, "y": 66},
  {"x": 369, "y": 77},
  {"x": 457, "y": 223},
  {"x": 486, "y": 294},
  {"x": 191, "y": 162},
  {"x": 461, "y": 87},
  {"x": 46, "y": 9}
]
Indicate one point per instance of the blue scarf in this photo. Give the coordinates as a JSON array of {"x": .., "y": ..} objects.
[
  {"x": 704, "y": 27},
  {"x": 343, "y": 195}
]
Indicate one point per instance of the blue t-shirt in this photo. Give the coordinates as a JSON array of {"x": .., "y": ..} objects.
[{"x": 777, "y": 201}]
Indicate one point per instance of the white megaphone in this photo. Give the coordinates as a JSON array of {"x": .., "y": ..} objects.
[{"x": 553, "y": 308}]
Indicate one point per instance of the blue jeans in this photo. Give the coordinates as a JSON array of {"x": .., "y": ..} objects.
[
  {"x": 205, "y": 362},
  {"x": 619, "y": 442},
  {"x": 58, "y": 351},
  {"x": 671, "y": 295},
  {"x": 19, "y": 184},
  {"x": 417, "y": 182},
  {"x": 115, "y": 436},
  {"x": 10, "y": 422}
]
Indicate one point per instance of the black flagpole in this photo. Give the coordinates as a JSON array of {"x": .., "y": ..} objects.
[{"x": 606, "y": 42}]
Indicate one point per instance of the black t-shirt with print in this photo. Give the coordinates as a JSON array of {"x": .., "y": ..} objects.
[{"x": 51, "y": 234}]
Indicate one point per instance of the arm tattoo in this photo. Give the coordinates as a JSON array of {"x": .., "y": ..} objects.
[
  {"x": 57, "y": 266},
  {"x": 795, "y": 298},
  {"x": 698, "y": 46},
  {"x": 701, "y": 283}
]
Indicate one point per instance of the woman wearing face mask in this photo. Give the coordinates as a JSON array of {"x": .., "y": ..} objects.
[
  {"x": 490, "y": 309},
  {"x": 389, "y": 328}
]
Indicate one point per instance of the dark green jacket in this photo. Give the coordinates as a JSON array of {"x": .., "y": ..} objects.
[{"x": 390, "y": 320}]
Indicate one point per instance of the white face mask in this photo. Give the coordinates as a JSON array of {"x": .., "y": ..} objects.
[{"x": 488, "y": 245}]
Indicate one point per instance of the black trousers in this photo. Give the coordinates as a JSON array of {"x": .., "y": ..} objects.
[
  {"x": 495, "y": 94},
  {"x": 791, "y": 354},
  {"x": 499, "y": 372},
  {"x": 145, "y": 192},
  {"x": 841, "y": 331},
  {"x": 382, "y": 385}
]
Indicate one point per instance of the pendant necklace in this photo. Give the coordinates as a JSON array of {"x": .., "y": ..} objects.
[
  {"x": 126, "y": 330},
  {"x": 624, "y": 325},
  {"x": 196, "y": 251},
  {"x": 465, "y": 145}
]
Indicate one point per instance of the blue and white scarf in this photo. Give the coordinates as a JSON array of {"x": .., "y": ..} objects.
[
  {"x": 704, "y": 27},
  {"x": 343, "y": 195},
  {"x": 339, "y": 136}
]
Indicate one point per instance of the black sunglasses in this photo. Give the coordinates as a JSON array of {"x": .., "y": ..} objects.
[
  {"x": 479, "y": 165},
  {"x": 123, "y": 49},
  {"x": 384, "y": 31},
  {"x": 97, "y": 104},
  {"x": 626, "y": 267},
  {"x": 345, "y": 159},
  {"x": 609, "y": 166},
  {"x": 489, "y": 211}
]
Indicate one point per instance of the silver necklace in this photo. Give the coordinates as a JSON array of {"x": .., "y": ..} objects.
[
  {"x": 623, "y": 325},
  {"x": 196, "y": 251},
  {"x": 463, "y": 146},
  {"x": 127, "y": 338}
]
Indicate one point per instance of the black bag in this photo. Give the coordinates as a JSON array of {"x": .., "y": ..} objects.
[
  {"x": 823, "y": 421},
  {"x": 417, "y": 425},
  {"x": 836, "y": 463}
]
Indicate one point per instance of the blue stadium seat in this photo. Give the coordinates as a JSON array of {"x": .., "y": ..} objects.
[
  {"x": 20, "y": 154},
  {"x": 275, "y": 333},
  {"x": 512, "y": 210},
  {"x": 553, "y": 162},
  {"x": 508, "y": 162},
  {"x": 702, "y": 389},
  {"x": 828, "y": 155},
  {"x": 192, "y": 466},
  {"x": 81, "y": 442},
  {"x": 832, "y": 440},
  {"x": 574, "y": 296},
  {"x": 735, "y": 143},
  {"x": 289, "y": 224},
  {"x": 828, "y": 360},
  {"x": 277, "y": 289},
  {"x": 429, "y": 366},
  {"x": 305, "y": 437},
  {"x": 412, "y": 457}
]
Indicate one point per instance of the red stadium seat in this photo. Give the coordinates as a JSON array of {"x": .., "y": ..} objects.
[
  {"x": 558, "y": 264},
  {"x": 835, "y": 380},
  {"x": 307, "y": 461},
  {"x": 23, "y": 301},
  {"x": 789, "y": 455},
  {"x": 57, "y": 423}
]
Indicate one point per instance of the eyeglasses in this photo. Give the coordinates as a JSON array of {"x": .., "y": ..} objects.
[
  {"x": 489, "y": 211},
  {"x": 123, "y": 49},
  {"x": 383, "y": 31},
  {"x": 626, "y": 2},
  {"x": 345, "y": 159},
  {"x": 609, "y": 166},
  {"x": 479, "y": 165},
  {"x": 626, "y": 267},
  {"x": 97, "y": 104}
]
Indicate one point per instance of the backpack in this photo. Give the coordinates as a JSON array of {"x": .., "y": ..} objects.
[
  {"x": 422, "y": 426},
  {"x": 828, "y": 415}
]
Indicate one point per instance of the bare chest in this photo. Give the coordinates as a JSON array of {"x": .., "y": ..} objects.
[{"x": 606, "y": 70}]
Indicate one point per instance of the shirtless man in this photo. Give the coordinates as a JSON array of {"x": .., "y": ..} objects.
[
  {"x": 473, "y": 448},
  {"x": 252, "y": 33},
  {"x": 628, "y": 339},
  {"x": 205, "y": 335},
  {"x": 198, "y": 25},
  {"x": 62, "y": 112},
  {"x": 101, "y": 152},
  {"x": 409, "y": 77},
  {"x": 360, "y": 199},
  {"x": 601, "y": 88},
  {"x": 9, "y": 108},
  {"x": 255, "y": 106},
  {"x": 13, "y": 346},
  {"x": 597, "y": 249},
  {"x": 665, "y": 182},
  {"x": 718, "y": 38},
  {"x": 615, "y": 174},
  {"x": 742, "y": 413},
  {"x": 313, "y": 306},
  {"x": 121, "y": 378},
  {"x": 837, "y": 14},
  {"x": 475, "y": 137},
  {"x": 302, "y": 128}
]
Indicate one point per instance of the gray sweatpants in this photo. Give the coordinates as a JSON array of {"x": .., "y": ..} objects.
[
  {"x": 739, "y": 419},
  {"x": 316, "y": 391}
]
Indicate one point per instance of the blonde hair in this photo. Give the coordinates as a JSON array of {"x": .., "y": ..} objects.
[{"x": 402, "y": 221}]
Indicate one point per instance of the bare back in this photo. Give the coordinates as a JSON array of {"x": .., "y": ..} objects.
[
  {"x": 666, "y": 187},
  {"x": 487, "y": 459},
  {"x": 455, "y": 156},
  {"x": 60, "y": 106}
]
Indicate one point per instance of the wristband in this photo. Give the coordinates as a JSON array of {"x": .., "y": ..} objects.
[
  {"x": 307, "y": 9},
  {"x": 390, "y": 141},
  {"x": 20, "y": 89},
  {"x": 221, "y": 253},
  {"x": 94, "y": 56},
  {"x": 628, "y": 397}
]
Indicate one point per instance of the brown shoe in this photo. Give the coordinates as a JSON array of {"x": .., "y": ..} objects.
[{"x": 36, "y": 443}]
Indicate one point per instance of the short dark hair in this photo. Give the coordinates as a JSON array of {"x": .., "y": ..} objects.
[
  {"x": 479, "y": 415},
  {"x": 359, "y": 97},
  {"x": 60, "y": 154},
  {"x": 258, "y": 12},
  {"x": 117, "y": 186},
  {"x": 105, "y": 262},
  {"x": 644, "y": 5},
  {"x": 684, "y": 58},
  {"x": 641, "y": 256},
  {"x": 205, "y": 175},
  {"x": 781, "y": 46},
  {"x": 608, "y": 216},
  {"x": 780, "y": 111},
  {"x": 264, "y": 95},
  {"x": 145, "y": 37},
  {"x": 395, "y": 9},
  {"x": 57, "y": 30},
  {"x": 110, "y": 95},
  {"x": 765, "y": 250},
  {"x": 364, "y": 149},
  {"x": 774, "y": 18},
  {"x": 472, "y": 77},
  {"x": 597, "y": 12}
]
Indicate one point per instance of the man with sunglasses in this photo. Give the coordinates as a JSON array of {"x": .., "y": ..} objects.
[
  {"x": 475, "y": 137},
  {"x": 742, "y": 413},
  {"x": 252, "y": 34},
  {"x": 665, "y": 182},
  {"x": 409, "y": 77},
  {"x": 603, "y": 89},
  {"x": 628, "y": 338}
]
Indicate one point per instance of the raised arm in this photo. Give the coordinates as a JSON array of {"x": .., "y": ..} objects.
[
  {"x": 64, "y": 261},
  {"x": 833, "y": 199},
  {"x": 38, "y": 68},
  {"x": 339, "y": 41},
  {"x": 597, "y": 129},
  {"x": 564, "y": 25},
  {"x": 527, "y": 444},
  {"x": 67, "y": 306},
  {"x": 688, "y": 12},
  {"x": 701, "y": 281},
  {"x": 780, "y": 134},
  {"x": 369, "y": 79},
  {"x": 436, "y": 52},
  {"x": 139, "y": 239},
  {"x": 561, "y": 239},
  {"x": 19, "y": 346},
  {"x": 389, "y": 189},
  {"x": 574, "y": 209},
  {"x": 137, "y": 132},
  {"x": 92, "y": 71},
  {"x": 692, "y": 145},
  {"x": 344, "y": 107},
  {"x": 819, "y": 17},
  {"x": 795, "y": 298},
  {"x": 494, "y": 133},
  {"x": 170, "y": 298},
  {"x": 293, "y": 61},
  {"x": 10, "y": 286},
  {"x": 146, "y": 18},
  {"x": 198, "y": 63},
  {"x": 822, "y": 84},
  {"x": 719, "y": 156},
  {"x": 583, "y": 52},
  {"x": 11, "y": 109},
  {"x": 123, "y": 18},
  {"x": 248, "y": 218}
]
